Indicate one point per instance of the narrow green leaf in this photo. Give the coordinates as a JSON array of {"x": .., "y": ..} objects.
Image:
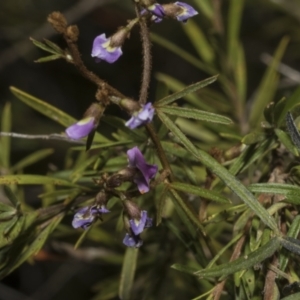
[
  {"x": 290, "y": 103},
  {"x": 242, "y": 263},
  {"x": 291, "y": 192},
  {"x": 241, "y": 74},
  {"x": 187, "y": 90},
  {"x": 292, "y": 129},
  {"x": 291, "y": 244},
  {"x": 11, "y": 196},
  {"x": 196, "y": 114},
  {"x": 180, "y": 203},
  {"x": 160, "y": 204},
  {"x": 293, "y": 233},
  {"x": 235, "y": 185},
  {"x": 35, "y": 179},
  {"x": 5, "y": 140},
  {"x": 267, "y": 86},
  {"x": 199, "y": 41},
  {"x": 184, "y": 269},
  {"x": 54, "y": 46},
  {"x": 182, "y": 53},
  {"x": 43, "y": 46},
  {"x": 48, "y": 58},
  {"x": 254, "y": 137},
  {"x": 34, "y": 247},
  {"x": 286, "y": 141},
  {"x": 295, "y": 296},
  {"x": 31, "y": 159},
  {"x": 127, "y": 274},
  {"x": 205, "y": 6},
  {"x": 234, "y": 24},
  {"x": 50, "y": 111},
  {"x": 195, "y": 190}
]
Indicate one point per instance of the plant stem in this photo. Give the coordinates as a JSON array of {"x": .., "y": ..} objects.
[{"x": 147, "y": 58}]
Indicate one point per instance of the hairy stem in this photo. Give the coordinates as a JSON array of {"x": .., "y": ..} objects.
[{"x": 147, "y": 58}]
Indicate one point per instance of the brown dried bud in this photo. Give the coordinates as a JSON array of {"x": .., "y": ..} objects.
[
  {"x": 132, "y": 210},
  {"x": 130, "y": 105},
  {"x": 73, "y": 32},
  {"x": 58, "y": 21}
]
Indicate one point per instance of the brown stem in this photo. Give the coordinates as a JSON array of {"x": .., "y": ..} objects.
[
  {"x": 160, "y": 151},
  {"x": 78, "y": 62},
  {"x": 147, "y": 58}
]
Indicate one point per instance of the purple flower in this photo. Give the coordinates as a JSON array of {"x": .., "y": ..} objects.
[
  {"x": 86, "y": 216},
  {"x": 104, "y": 50},
  {"x": 154, "y": 18},
  {"x": 132, "y": 241},
  {"x": 137, "y": 226},
  {"x": 81, "y": 128},
  {"x": 187, "y": 12},
  {"x": 147, "y": 171},
  {"x": 157, "y": 10},
  {"x": 143, "y": 116}
]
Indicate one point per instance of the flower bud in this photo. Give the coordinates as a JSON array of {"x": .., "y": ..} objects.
[{"x": 179, "y": 10}]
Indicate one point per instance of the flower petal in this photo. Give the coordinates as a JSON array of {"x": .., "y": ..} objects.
[
  {"x": 81, "y": 128},
  {"x": 132, "y": 241}
]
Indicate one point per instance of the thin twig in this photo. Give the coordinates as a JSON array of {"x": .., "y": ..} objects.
[
  {"x": 147, "y": 58},
  {"x": 52, "y": 136}
]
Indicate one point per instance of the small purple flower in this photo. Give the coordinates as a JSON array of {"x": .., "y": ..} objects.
[
  {"x": 147, "y": 171},
  {"x": 143, "y": 116},
  {"x": 137, "y": 226},
  {"x": 154, "y": 18},
  {"x": 81, "y": 128},
  {"x": 157, "y": 10},
  {"x": 186, "y": 13},
  {"x": 86, "y": 216},
  {"x": 103, "y": 50},
  {"x": 132, "y": 241}
]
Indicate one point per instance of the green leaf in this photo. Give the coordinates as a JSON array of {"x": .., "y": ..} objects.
[
  {"x": 48, "y": 58},
  {"x": 35, "y": 179},
  {"x": 31, "y": 159},
  {"x": 54, "y": 46},
  {"x": 291, "y": 244},
  {"x": 33, "y": 247},
  {"x": 293, "y": 233},
  {"x": 234, "y": 24},
  {"x": 292, "y": 129},
  {"x": 231, "y": 181},
  {"x": 127, "y": 274},
  {"x": 290, "y": 103},
  {"x": 5, "y": 140},
  {"x": 254, "y": 137},
  {"x": 206, "y": 7},
  {"x": 182, "y": 53},
  {"x": 295, "y": 296},
  {"x": 50, "y": 111},
  {"x": 241, "y": 73},
  {"x": 184, "y": 269},
  {"x": 242, "y": 263},
  {"x": 43, "y": 46},
  {"x": 189, "y": 213},
  {"x": 160, "y": 204},
  {"x": 267, "y": 86},
  {"x": 285, "y": 139},
  {"x": 11, "y": 196},
  {"x": 199, "y": 41},
  {"x": 291, "y": 192},
  {"x": 193, "y": 113},
  {"x": 195, "y": 190},
  {"x": 187, "y": 90}
]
